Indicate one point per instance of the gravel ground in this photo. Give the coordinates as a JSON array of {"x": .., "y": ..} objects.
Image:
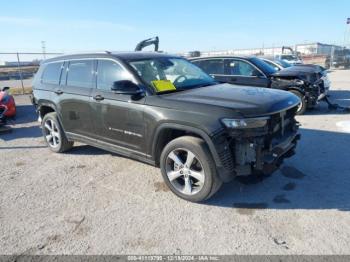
[{"x": 89, "y": 201}]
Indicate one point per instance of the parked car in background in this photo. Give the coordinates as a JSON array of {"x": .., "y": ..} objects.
[
  {"x": 307, "y": 68},
  {"x": 252, "y": 71},
  {"x": 165, "y": 111},
  {"x": 280, "y": 64},
  {"x": 276, "y": 63},
  {"x": 7, "y": 106},
  {"x": 290, "y": 58},
  {"x": 341, "y": 58}
]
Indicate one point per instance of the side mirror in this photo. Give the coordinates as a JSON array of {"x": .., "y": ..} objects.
[
  {"x": 126, "y": 87},
  {"x": 5, "y": 88}
]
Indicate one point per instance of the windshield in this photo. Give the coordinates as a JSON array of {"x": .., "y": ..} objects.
[
  {"x": 181, "y": 73},
  {"x": 262, "y": 65}
]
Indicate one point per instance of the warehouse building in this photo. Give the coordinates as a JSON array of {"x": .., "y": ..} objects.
[
  {"x": 304, "y": 49},
  {"x": 316, "y": 49}
]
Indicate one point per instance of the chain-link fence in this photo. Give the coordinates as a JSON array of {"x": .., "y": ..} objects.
[{"x": 17, "y": 70}]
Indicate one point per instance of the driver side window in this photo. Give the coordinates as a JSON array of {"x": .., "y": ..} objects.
[
  {"x": 240, "y": 68},
  {"x": 109, "y": 72}
]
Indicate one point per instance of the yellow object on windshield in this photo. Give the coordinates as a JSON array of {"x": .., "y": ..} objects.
[{"x": 163, "y": 85}]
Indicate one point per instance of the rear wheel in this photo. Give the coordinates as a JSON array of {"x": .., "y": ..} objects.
[
  {"x": 303, "y": 105},
  {"x": 189, "y": 170},
  {"x": 54, "y": 135}
]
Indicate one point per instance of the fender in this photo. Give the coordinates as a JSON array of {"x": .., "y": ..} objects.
[
  {"x": 47, "y": 103},
  {"x": 44, "y": 102},
  {"x": 191, "y": 129}
]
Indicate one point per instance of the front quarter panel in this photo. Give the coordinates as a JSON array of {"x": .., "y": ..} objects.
[{"x": 203, "y": 120}]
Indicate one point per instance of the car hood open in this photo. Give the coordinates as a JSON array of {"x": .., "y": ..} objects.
[{"x": 248, "y": 101}]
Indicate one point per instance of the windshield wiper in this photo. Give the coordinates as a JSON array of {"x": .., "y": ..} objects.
[{"x": 200, "y": 85}]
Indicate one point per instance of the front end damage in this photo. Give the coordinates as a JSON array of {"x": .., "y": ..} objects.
[
  {"x": 314, "y": 86},
  {"x": 244, "y": 152}
]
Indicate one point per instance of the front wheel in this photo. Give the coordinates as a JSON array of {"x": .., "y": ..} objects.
[
  {"x": 54, "y": 135},
  {"x": 303, "y": 105},
  {"x": 189, "y": 170}
]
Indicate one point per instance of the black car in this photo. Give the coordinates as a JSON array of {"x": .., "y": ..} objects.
[
  {"x": 165, "y": 111},
  {"x": 307, "y": 84}
]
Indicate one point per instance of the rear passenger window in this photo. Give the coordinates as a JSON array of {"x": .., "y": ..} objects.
[
  {"x": 80, "y": 73},
  {"x": 52, "y": 73},
  {"x": 109, "y": 72},
  {"x": 212, "y": 66}
]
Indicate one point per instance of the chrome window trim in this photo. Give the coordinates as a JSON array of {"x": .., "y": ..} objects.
[{"x": 94, "y": 69}]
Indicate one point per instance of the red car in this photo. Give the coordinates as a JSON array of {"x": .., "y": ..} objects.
[{"x": 7, "y": 105}]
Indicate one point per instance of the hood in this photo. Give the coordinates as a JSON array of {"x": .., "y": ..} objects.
[
  {"x": 311, "y": 68},
  {"x": 247, "y": 101},
  {"x": 293, "y": 71},
  {"x": 300, "y": 72}
]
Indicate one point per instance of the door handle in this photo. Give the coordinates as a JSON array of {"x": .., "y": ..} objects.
[
  {"x": 98, "y": 98},
  {"x": 59, "y": 92}
]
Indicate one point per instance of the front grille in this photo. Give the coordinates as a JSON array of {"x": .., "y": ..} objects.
[{"x": 282, "y": 122}]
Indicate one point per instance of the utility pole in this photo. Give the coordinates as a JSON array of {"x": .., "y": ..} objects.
[
  {"x": 43, "y": 48},
  {"x": 20, "y": 72},
  {"x": 332, "y": 57}
]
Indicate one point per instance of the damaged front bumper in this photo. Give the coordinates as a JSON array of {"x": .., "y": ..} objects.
[
  {"x": 257, "y": 155},
  {"x": 262, "y": 151}
]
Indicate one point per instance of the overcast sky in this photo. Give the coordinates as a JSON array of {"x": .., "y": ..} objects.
[{"x": 182, "y": 25}]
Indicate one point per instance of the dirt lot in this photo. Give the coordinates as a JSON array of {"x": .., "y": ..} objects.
[{"x": 89, "y": 201}]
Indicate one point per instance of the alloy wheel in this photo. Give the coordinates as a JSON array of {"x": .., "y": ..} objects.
[
  {"x": 185, "y": 171},
  {"x": 52, "y": 134}
]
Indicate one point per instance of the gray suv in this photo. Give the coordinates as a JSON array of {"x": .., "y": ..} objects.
[{"x": 164, "y": 111}]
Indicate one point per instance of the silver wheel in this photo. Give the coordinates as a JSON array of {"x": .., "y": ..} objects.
[
  {"x": 300, "y": 106},
  {"x": 52, "y": 134},
  {"x": 184, "y": 171}
]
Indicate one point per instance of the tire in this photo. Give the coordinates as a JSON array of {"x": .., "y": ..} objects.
[
  {"x": 203, "y": 166},
  {"x": 54, "y": 135},
  {"x": 303, "y": 106}
]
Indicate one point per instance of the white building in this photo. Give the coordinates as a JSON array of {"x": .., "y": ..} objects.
[
  {"x": 316, "y": 49},
  {"x": 304, "y": 49}
]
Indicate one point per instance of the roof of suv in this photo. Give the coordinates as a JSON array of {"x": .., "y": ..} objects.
[{"x": 121, "y": 55}]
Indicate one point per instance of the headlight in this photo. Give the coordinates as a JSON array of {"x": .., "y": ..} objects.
[{"x": 245, "y": 122}]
